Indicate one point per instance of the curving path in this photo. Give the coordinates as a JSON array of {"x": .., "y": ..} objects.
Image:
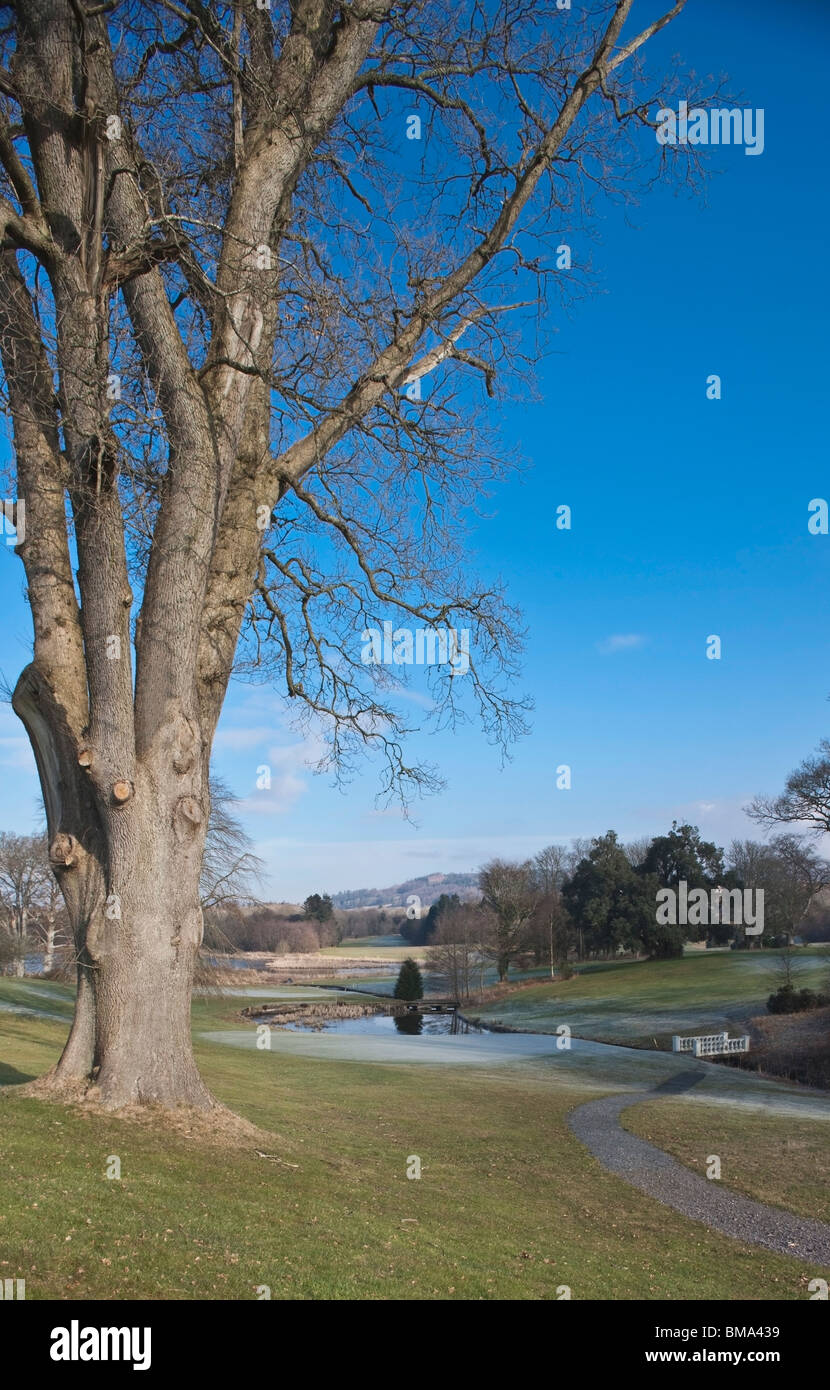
[{"x": 597, "y": 1126}]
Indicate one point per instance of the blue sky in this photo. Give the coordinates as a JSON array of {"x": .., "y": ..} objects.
[{"x": 689, "y": 518}]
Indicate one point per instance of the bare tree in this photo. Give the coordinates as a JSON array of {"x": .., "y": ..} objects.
[
  {"x": 50, "y": 925},
  {"x": 457, "y": 953},
  {"x": 636, "y": 851},
  {"x": 791, "y": 874},
  {"x": 750, "y": 861},
  {"x": 510, "y": 893},
  {"x": 220, "y": 300},
  {"x": 787, "y": 968},
  {"x": 549, "y": 921},
  {"x": 21, "y": 881},
  {"x": 802, "y": 873},
  {"x": 805, "y": 799},
  {"x": 579, "y": 849},
  {"x": 229, "y": 866}
]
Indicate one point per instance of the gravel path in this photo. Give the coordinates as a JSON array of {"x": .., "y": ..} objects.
[{"x": 597, "y": 1125}]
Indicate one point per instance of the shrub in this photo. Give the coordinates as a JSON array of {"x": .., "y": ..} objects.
[
  {"x": 795, "y": 1001},
  {"x": 410, "y": 984}
]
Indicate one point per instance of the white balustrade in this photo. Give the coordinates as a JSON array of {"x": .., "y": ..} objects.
[{"x": 710, "y": 1044}]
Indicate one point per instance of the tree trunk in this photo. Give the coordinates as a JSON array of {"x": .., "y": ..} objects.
[
  {"x": 130, "y": 1041},
  {"x": 143, "y": 951},
  {"x": 75, "y": 1063},
  {"x": 143, "y": 1049},
  {"x": 128, "y": 856},
  {"x": 49, "y": 947}
]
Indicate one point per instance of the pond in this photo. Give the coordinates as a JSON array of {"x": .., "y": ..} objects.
[
  {"x": 382, "y": 1042},
  {"x": 301, "y": 992},
  {"x": 382, "y": 1026}
]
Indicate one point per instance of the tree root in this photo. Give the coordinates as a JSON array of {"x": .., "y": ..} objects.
[{"x": 212, "y": 1124}]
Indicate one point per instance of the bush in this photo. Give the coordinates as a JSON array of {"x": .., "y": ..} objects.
[{"x": 795, "y": 1001}]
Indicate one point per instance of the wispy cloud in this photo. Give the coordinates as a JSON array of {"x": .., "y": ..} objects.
[
  {"x": 621, "y": 642},
  {"x": 283, "y": 767},
  {"x": 255, "y": 736}
]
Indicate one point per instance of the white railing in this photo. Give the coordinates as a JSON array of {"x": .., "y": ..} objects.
[{"x": 710, "y": 1044}]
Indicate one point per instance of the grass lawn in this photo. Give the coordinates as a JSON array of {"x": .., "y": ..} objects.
[
  {"x": 784, "y": 1163},
  {"x": 636, "y": 1002},
  {"x": 509, "y": 1204}
]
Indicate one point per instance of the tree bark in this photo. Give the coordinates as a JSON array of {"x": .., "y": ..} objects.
[
  {"x": 143, "y": 953},
  {"x": 129, "y": 873}
]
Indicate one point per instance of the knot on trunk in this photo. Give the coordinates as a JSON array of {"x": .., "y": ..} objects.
[
  {"x": 190, "y": 810},
  {"x": 121, "y": 792},
  {"x": 63, "y": 851},
  {"x": 185, "y": 745}
]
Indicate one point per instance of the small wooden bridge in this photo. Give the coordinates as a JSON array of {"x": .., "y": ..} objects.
[
  {"x": 419, "y": 1006},
  {"x": 410, "y": 1006}
]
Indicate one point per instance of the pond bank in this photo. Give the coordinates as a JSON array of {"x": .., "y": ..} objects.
[
  {"x": 317, "y": 1014},
  {"x": 310, "y": 1015}
]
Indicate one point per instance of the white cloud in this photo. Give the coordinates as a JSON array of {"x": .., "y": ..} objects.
[
  {"x": 286, "y": 765},
  {"x": 621, "y": 642}
]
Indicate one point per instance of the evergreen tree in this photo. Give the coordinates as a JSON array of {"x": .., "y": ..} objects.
[
  {"x": 611, "y": 904},
  {"x": 410, "y": 984},
  {"x": 318, "y": 908},
  {"x": 682, "y": 856}
]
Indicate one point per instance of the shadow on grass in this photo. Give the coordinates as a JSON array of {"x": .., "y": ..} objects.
[{"x": 10, "y": 1076}]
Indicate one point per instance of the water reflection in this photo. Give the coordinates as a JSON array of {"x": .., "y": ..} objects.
[
  {"x": 414, "y": 1025},
  {"x": 410, "y": 1023}
]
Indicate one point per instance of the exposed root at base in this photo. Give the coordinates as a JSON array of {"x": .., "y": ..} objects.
[
  {"x": 217, "y": 1126},
  {"x": 63, "y": 1090},
  {"x": 212, "y": 1124}
]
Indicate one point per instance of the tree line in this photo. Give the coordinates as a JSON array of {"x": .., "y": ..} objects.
[{"x": 598, "y": 899}]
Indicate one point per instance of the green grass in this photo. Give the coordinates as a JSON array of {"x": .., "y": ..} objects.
[
  {"x": 509, "y": 1204},
  {"x": 636, "y": 1002},
  {"x": 783, "y": 1162}
]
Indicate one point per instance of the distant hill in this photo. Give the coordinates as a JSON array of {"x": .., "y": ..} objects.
[{"x": 428, "y": 888}]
